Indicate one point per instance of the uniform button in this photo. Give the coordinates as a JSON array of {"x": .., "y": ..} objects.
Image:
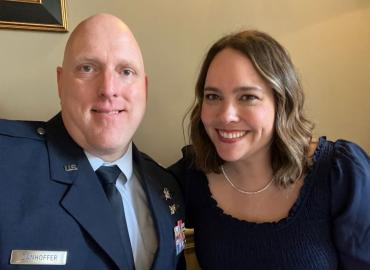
[{"x": 40, "y": 131}]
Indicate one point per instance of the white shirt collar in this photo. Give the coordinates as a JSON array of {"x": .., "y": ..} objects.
[{"x": 124, "y": 163}]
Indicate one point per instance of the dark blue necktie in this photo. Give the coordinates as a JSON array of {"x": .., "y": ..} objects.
[{"x": 108, "y": 178}]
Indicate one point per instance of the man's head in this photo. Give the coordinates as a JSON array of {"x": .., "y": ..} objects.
[{"x": 102, "y": 86}]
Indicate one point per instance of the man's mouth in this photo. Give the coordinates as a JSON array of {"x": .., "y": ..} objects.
[{"x": 107, "y": 111}]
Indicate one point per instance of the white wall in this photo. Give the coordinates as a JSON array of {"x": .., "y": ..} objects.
[{"x": 329, "y": 41}]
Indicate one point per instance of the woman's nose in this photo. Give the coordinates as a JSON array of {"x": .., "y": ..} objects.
[{"x": 229, "y": 112}]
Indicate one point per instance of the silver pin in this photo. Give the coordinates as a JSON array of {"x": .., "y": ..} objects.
[
  {"x": 173, "y": 209},
  {"x": 40, "y": 131},
  {"x": 167, "y": 194},
  {"x": 70, "y": 167}
]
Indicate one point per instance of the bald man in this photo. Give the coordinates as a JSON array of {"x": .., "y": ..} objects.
[{"x": 55, "y": 210}]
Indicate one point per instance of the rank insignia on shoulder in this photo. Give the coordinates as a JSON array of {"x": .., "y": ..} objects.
[
  {"x": 70, "y": 167},
  {"x": 167, "y": 194},
  {"x": 180, "y": 240}
]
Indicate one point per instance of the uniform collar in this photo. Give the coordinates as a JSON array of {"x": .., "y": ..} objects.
[{"x": 124, "y": 162}]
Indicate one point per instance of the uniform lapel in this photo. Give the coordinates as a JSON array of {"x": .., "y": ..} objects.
[
  {"x": 159, "y": 209},
  {"x": 85, "y": 200}
]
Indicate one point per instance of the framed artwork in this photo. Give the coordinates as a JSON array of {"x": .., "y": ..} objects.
[{"x": 43, "y": 15}]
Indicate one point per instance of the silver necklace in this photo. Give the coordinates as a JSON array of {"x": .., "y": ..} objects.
[{"x": 242, "y": 190}]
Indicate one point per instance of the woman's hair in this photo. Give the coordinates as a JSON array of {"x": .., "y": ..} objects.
[{"x": 292, "y": 131}]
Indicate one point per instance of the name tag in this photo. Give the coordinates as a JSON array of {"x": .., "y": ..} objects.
[{"x": 38, "y": 257}]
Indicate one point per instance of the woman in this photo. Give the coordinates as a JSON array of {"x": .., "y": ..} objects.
[{"x": 260, "y": 192}]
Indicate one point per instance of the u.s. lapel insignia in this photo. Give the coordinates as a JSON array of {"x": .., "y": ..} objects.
[
  {"x": 70, "y": 167},
  {"x": 167, "y": 194},
  {"x": 179, "y": 230},
  {"x": 173, "y": 209}
]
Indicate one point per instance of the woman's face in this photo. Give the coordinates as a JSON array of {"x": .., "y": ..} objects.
[{"x": 238, "y": 109}]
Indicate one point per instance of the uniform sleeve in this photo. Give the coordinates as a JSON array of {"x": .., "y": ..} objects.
[{"x": 350, "y": 183}]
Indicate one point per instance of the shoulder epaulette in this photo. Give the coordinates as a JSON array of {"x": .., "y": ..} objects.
[{"x": 22, "y": 129}]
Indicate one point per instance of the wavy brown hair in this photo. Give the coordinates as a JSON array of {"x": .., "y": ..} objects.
[{"x": 292, "y": 131}]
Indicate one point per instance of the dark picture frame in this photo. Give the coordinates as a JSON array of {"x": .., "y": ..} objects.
[{"x": 42, "y": 15}]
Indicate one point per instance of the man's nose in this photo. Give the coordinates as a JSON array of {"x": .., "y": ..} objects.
[{"x": 108, "y": 86}]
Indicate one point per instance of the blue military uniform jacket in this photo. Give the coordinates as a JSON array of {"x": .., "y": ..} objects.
[{"x": 51, "y": 200}]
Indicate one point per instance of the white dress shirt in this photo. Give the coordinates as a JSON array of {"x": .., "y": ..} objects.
[{"x": 138, "y": 216}]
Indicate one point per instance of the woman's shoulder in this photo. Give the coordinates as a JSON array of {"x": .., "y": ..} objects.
[
  {"x": 344, "y": 157},
  {"x": 350, "y": 161},
  {"x": 350, "y": 200},
  {"x": 347, "y": 167},
  {"x": 350, "y": 153},
  {"x": 185, "y": 169},
  {"x": 186, "y": 162}
]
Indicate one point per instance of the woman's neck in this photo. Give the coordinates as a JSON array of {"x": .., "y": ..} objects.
[{"x": 250, "y": 174}]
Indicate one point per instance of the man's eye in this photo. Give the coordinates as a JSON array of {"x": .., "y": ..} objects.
[
  {"x": 127, "y": 72},
  {"x": 87, "y": 68}
]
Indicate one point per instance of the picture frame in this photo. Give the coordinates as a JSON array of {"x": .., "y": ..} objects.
[{"x": 41, "y": 15}]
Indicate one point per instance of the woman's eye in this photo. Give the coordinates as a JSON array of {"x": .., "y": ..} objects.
[
  {"x": 211, "y": 97},
  {"x": 248, "y": 97}
]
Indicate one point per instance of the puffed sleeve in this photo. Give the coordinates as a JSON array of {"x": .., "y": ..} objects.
[{"x": 350, "y": 184}]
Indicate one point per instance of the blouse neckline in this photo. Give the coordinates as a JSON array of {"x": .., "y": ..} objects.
[{"x": 294, "y": 210}]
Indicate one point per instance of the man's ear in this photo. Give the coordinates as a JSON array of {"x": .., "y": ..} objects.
[{"x": 59, "y": 79}]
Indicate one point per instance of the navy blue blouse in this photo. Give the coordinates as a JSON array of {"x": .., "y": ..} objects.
[{"x": 328, "y": 227}]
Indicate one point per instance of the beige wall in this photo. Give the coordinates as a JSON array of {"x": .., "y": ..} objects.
[{"x": 329, "y": 40}]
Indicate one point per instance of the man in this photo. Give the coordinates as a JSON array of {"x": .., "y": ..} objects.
[{"x": 55, "y": 210}]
